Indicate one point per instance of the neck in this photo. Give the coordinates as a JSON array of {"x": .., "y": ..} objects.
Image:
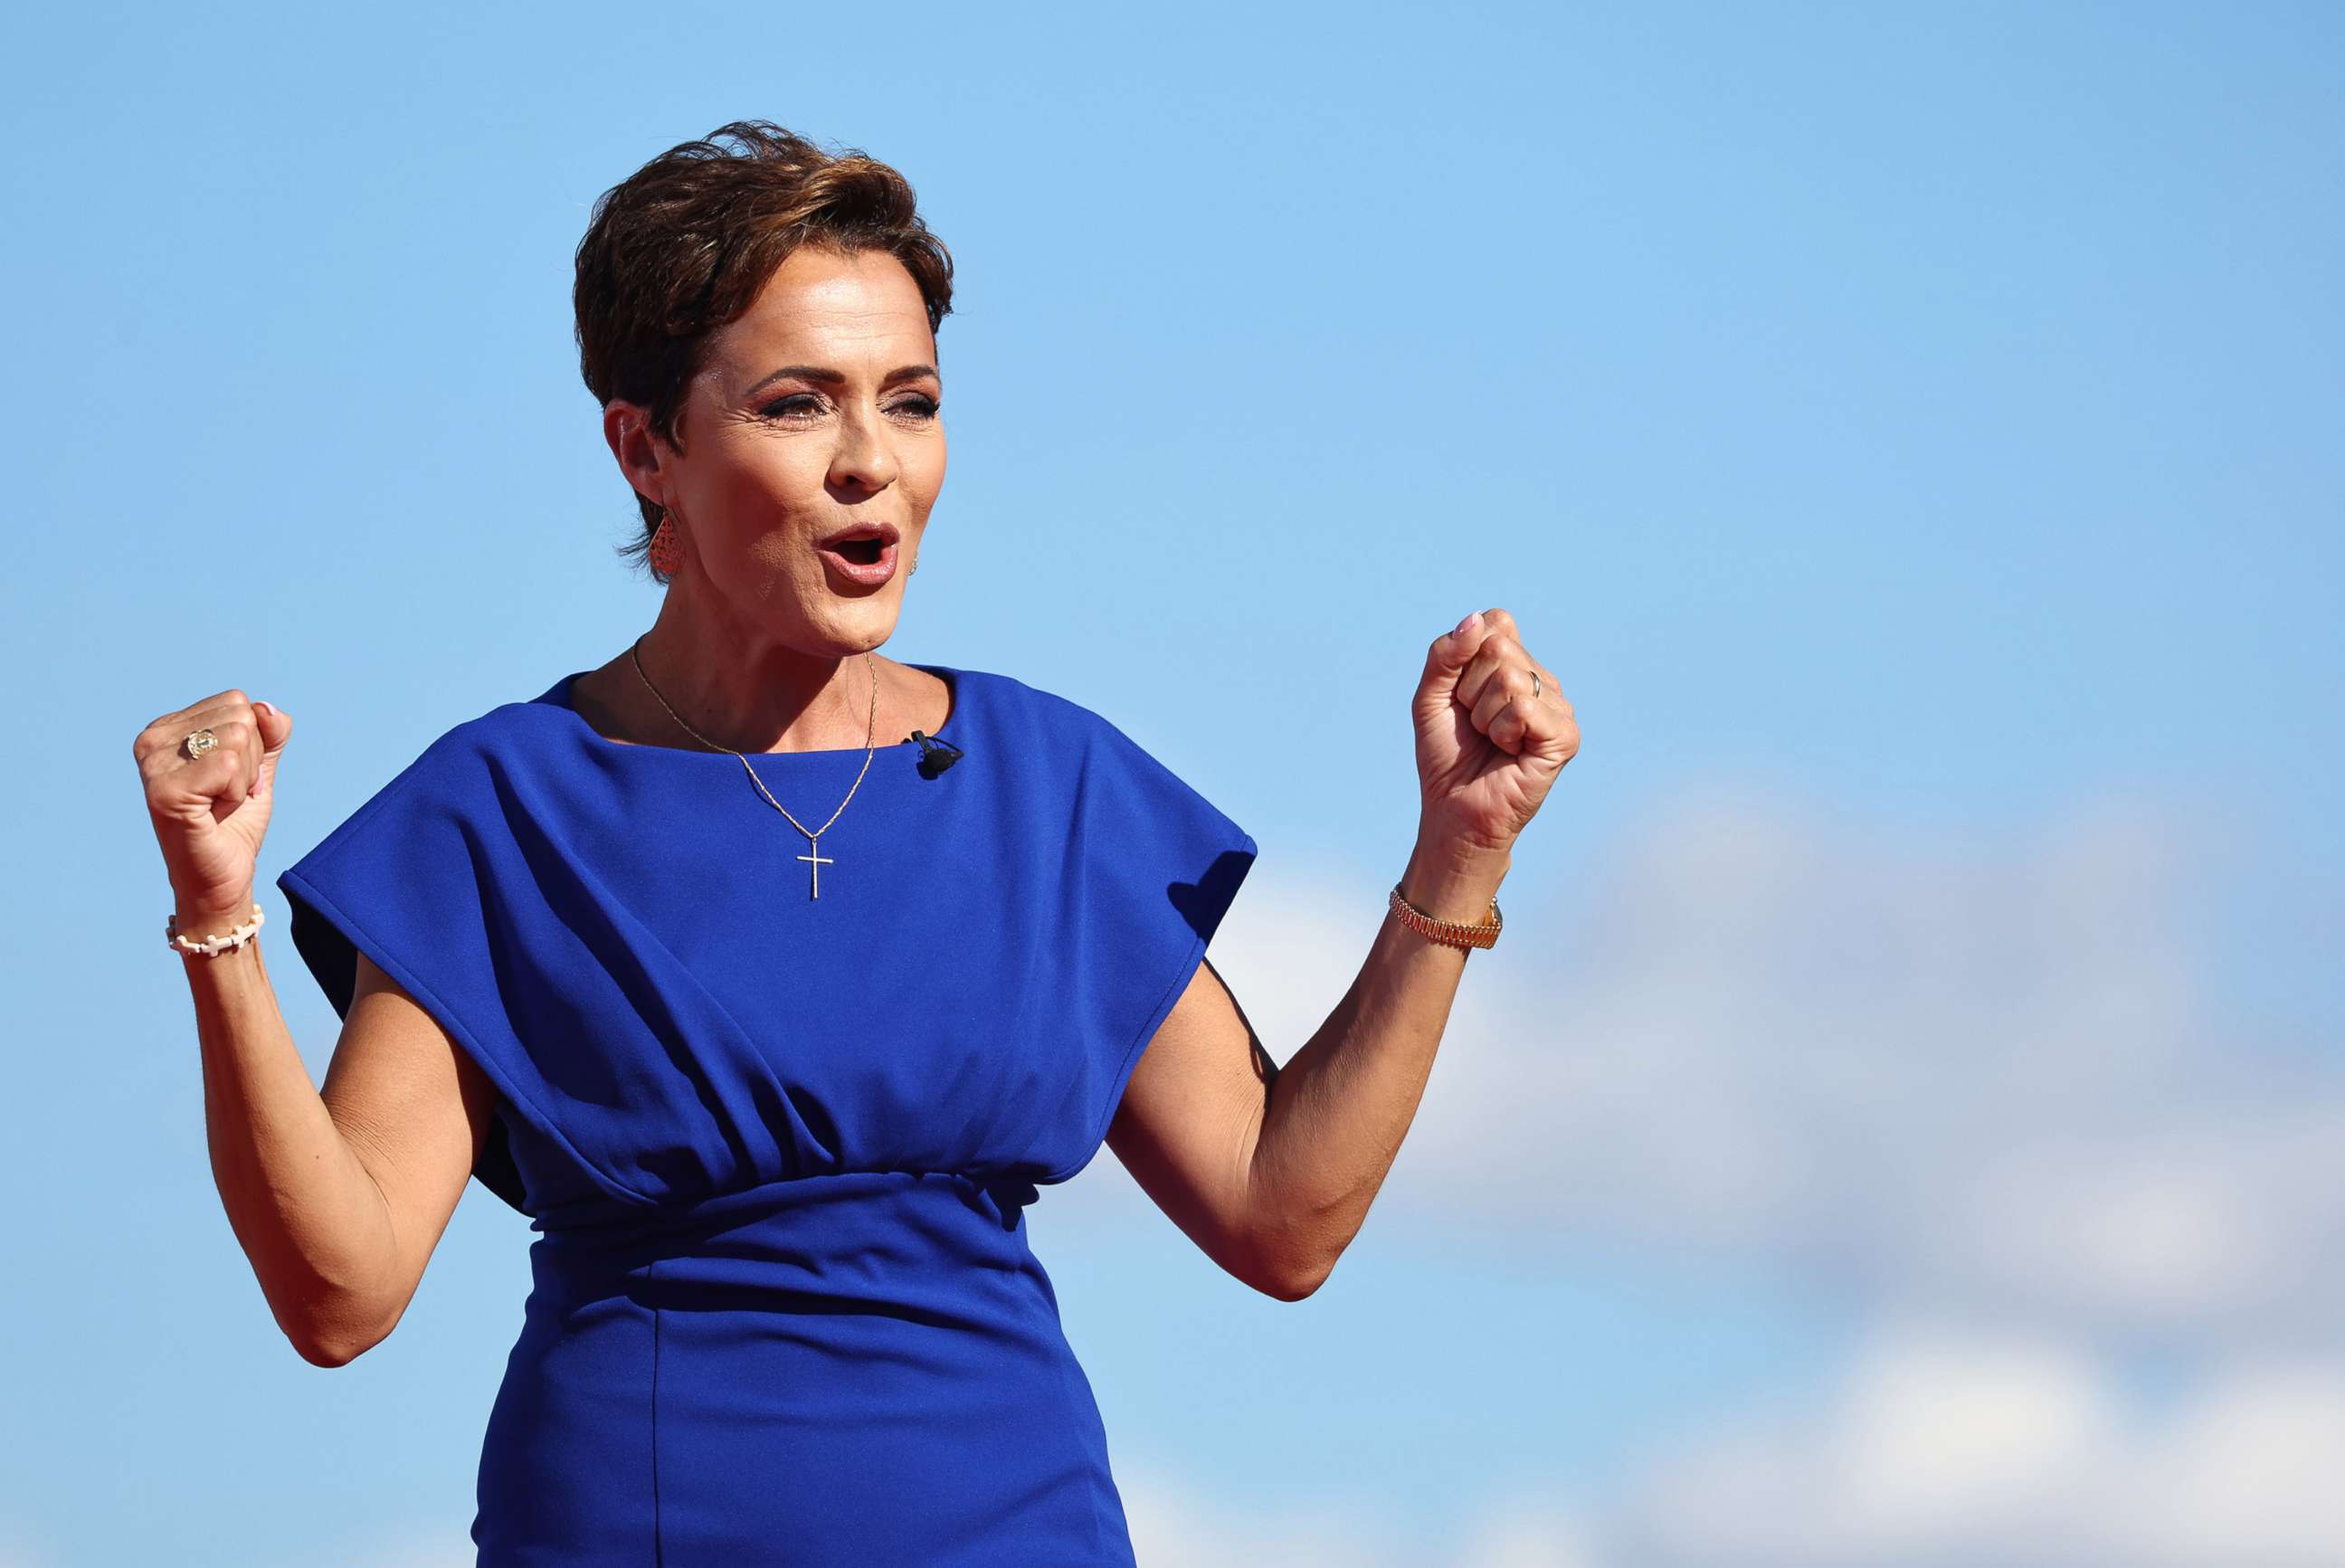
[{"x": 747, "y": 694}]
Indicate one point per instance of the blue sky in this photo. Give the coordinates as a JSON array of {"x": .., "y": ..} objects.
[{"x": 1902, "y": 1121}]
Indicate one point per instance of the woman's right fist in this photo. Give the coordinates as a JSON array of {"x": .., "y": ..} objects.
[{"x": 210, "y": 812}]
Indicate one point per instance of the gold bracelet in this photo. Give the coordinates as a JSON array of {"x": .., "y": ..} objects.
[{"x": 1448, "y": 932}]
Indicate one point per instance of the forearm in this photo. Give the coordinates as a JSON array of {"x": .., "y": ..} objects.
[
  {"x": 308, "y": 1216},
  {"x": 1340, "y": 1108}
]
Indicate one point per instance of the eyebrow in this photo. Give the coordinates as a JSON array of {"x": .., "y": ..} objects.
[{"x": 826, "y": 374}]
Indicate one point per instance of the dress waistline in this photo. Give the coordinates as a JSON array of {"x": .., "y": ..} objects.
[{"x": 897, "y": 1241}]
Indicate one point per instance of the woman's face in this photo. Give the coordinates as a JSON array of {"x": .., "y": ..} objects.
[{"x": 817, "y": 412}]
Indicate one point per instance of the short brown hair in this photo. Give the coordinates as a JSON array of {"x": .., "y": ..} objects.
[{"x": 682, "y": 245}]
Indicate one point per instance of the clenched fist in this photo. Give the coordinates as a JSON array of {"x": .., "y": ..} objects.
[
  {"x": 211, "y": 811},
  {"x": 1493, "y": 731}
]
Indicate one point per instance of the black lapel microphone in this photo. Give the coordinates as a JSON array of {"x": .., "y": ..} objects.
[{"x": 936, "y": 755}]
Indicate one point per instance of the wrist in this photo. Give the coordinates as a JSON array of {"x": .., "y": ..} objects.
[
  {"x": 1449, "y": 883},
  {"x": 201, "y": 918}
]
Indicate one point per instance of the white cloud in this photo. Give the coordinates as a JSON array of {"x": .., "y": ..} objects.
[
  {"x": 1977, "y": 1087},
  {"x": 1178, "y": 1525},
  {"x": 1947, "y": 1443},
  {"x": 1527, "y": 1533},
  {"x": 1971, "y": 1071},
  {"x": 1980, "y": 1446}
]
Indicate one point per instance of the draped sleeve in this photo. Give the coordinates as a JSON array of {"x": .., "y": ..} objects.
[
  {"x": 1150, "y": 867},
  {"x": 427, "y": 879},
  {"x": 628, "y": 942}
]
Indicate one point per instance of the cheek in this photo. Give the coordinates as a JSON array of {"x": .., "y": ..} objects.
[
  {"x": 770, "y": 498},
  {"x": 791, "y": 474},
  {"x": 751, "y": 458},
  {"x": 782, "y": 556},
  {"x": 924, "y": 471}
]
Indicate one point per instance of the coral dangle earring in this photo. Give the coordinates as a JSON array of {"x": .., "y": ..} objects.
[{"x": 666, "y": 555}]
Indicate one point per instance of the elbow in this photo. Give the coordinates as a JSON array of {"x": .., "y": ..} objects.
[
  {"x": 329, "y": 1343},
  {"x": 1289, "y": 1262},
  {"x": 1293, "y": 1288},
  {"x": 322, "y": 1350},
  {"x": 1292, "y": 1280},
  {"x": 1290, "y": 1247}
]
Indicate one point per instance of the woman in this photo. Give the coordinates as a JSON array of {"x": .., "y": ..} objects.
[{"x": 777, "y": 1063}]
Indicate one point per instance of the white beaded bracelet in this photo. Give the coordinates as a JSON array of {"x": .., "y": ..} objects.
[{"x": 213, "y": 946}]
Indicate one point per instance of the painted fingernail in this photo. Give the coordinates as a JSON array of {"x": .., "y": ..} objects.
[
  {"x": 265, "y": 707},
  {"x": 1464, "y": 625}
]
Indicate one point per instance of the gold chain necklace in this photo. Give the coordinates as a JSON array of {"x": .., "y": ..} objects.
[{"x": 814, "y": 835}]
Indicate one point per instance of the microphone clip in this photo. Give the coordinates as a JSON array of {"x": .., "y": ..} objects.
[{"x": 936, "y": 755}]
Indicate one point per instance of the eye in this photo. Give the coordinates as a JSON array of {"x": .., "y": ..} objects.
[
  {"x": 795, "y": 404},
  {"x": 919, "y": 407}
]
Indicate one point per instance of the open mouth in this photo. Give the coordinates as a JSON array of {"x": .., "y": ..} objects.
[{"x": 864, "y": 549}]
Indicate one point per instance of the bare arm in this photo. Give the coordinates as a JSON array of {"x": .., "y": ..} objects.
[
  {"x": 1271, "y": 1170},
  {"x": 336, "y": 1195},
  {"x": 1346, "y": 1100}
]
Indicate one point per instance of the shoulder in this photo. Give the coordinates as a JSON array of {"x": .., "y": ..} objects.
[
  {"x": 521, "y": 738},
  {"x": 455, "y": 770},
  {"x": 463, "y": 755},
  {"x": 1075, "y": 742},
  {"x": 1092, "y": 753},
  {"x": 1050, "y": 713}
]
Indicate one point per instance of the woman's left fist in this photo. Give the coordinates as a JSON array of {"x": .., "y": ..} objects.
[{"x": 1493, "y": 731}]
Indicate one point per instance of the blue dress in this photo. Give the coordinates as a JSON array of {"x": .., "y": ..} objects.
[{"x": 778, "y": 1143}]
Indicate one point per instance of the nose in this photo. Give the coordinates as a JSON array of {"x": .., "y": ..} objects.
[{"x": 864, "y": 460}]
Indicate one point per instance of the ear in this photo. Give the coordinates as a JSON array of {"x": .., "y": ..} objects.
[{"x": 627, "y": 428}]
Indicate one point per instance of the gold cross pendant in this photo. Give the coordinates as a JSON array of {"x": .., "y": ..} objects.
[{"x": 820, "y": 860}]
